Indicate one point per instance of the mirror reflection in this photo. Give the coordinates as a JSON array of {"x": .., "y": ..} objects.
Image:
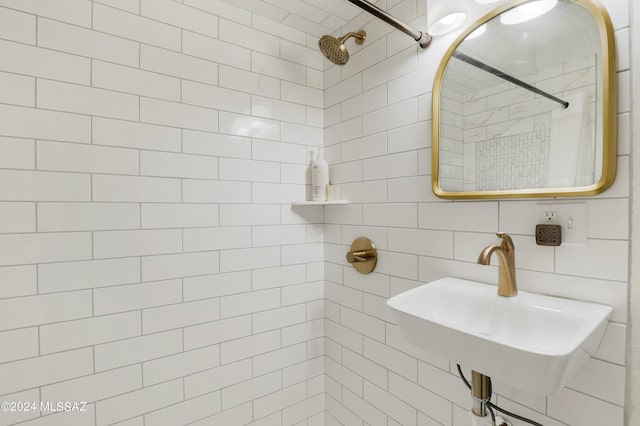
[{"x": 521, "y": 105}]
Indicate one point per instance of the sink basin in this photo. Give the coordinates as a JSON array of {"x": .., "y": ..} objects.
[{"x": 530, "y": 341}]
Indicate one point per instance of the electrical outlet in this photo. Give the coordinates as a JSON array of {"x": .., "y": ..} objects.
[
  {"x": 550, "y": 217},
  {"x": 571, "y": 216}
]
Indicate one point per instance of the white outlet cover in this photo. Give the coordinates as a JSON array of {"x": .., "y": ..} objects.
[{"x": 572, "y": 214}]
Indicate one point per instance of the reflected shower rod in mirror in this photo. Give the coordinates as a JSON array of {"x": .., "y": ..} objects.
[
  {"x": 503, "y": 75},
  {"x": 423, "y": 38},
  {"x": 492, "y": 140}
]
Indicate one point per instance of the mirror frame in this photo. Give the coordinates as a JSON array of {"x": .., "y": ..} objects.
[{"x": 609, "y": 119}]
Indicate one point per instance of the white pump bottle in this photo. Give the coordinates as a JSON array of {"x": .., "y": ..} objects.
[{"x": 319, "y": 178}]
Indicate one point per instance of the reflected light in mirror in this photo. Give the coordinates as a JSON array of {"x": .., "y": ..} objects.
[
  {"x": 527, "y": 11},
  {"x": 447, "y": 23},
  {"x": 478, "y": 32}
]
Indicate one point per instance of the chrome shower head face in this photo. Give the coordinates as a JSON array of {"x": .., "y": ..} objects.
[{"x": 334, "y": 49}]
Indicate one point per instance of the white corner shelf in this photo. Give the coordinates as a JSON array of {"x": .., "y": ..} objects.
[{"x": 319, "y": 203}]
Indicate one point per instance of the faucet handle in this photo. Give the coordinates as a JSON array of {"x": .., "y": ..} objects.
[{"x": 507, "y": 242}]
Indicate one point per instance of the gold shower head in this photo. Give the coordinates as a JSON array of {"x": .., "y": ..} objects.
[{"x": 334, "y": 49}]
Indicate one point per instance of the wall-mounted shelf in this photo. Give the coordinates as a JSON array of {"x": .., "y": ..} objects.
[{"x": 319, "y": 203}]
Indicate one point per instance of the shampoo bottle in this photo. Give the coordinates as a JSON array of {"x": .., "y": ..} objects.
[
  {"x": 309, "y": 176},
  {"x": 319, "y": 178}
]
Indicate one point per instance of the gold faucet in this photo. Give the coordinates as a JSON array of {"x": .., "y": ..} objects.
[{"x": 507, "y": 273}]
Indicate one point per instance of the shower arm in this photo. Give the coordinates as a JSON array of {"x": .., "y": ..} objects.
[
  {"x": 358, "y": 36},
  {"x": 423, "y": 38}
]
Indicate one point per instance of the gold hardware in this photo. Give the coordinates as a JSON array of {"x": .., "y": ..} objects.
[
  {"x": 335, "y": 50},
  {"x": 608, "y": 127},
  {"x": 360, "y": 256},
  {"x": 481, "y": 392},
  {"x": 363, "y": 255},
  {"x": 360, "y": 37},
  {"x": 507, "y": 270}
]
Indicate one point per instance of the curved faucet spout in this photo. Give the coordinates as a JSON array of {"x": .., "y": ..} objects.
[
  {"x": 485, "y": 255},
  {"x": 507, "y": 286}
]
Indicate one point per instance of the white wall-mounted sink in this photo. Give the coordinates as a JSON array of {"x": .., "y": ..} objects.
[{"x": 530, "y": 341}]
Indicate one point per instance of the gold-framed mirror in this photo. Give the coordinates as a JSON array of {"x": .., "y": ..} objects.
[{"x": 524, "y": 104}]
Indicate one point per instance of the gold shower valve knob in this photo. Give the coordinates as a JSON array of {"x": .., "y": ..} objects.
[
  {"x": 363, "y": 255},
  {"x": 360, "y": 256}
]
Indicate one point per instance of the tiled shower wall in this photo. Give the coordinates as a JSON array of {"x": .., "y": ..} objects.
[
  {"x": 453, "y": 169},
  {"x": 512, "y": 162},
  {"x": 150, "y": 262},
  {"x": 508, "y": 122},
  {"x": 505, "y": 129},
  {"x": 377, "y": 139}
]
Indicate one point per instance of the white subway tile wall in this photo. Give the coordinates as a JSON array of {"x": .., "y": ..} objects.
[
  {"x": 378, "y": 120},
  {"x": 150, "y": 263}
]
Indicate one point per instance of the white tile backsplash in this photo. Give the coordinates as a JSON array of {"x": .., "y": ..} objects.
[
  {"x": 19, "y": 344},
  {"x": 17, "y": 89},
  {"x": 17, "y": 217},
  {"x": 237, "y": 416},
  {"x": 135, "y": 81},
  {"x": 188, "y": 411},
  {"x": 180, "y": 265},
  {"x": 249, "y": 82},
  {"x": 215, "y": 332},
  {"x": 17, "y": 153},
  {"x": 135, "y": 403},
  {"x": 135, "y": 27},
  {"x": 137, "y": 296},
  {"x": 133, "y": 351},
  {"x": 17, "y": 26},
  {"x": 85, "y": 42},
  {"x": 44, "y": 370},
  {"x": 134, "y": 135},
  {"x": 73, "y": 157},
  {"x": 201, "y": 239},
  {"x": 154, "y": 163},
  {"x": 215, "y": 50},
  {"x": 18, "y": 249},
  {"x": 217, "y": 378},
  {"x": 211, "y": 191},
  {"x": 79, "y": 99},
  {"x": 215, "y": 97},
  {"x": 179, "y": 365},
  {"x": 87, "y": 332},
  {"x": 241, "y": 35},
  {"x": 215, "y": 144},
  {"x": 44, "y": 63},
  {"x": 175, "y": 114},
  {"x": 96, "y": 387},
  {"x": 53, "y": 125},
  {"x": 305, "y": 95},
  {"x": 56, "y": 277},
  {"x": 180, "y": 16},
  {"x": 179, "y": 65},
  {"x": 119, "y": 188}
]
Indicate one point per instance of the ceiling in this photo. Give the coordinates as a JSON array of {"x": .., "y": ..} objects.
[{"x": 315, "y": 17}]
